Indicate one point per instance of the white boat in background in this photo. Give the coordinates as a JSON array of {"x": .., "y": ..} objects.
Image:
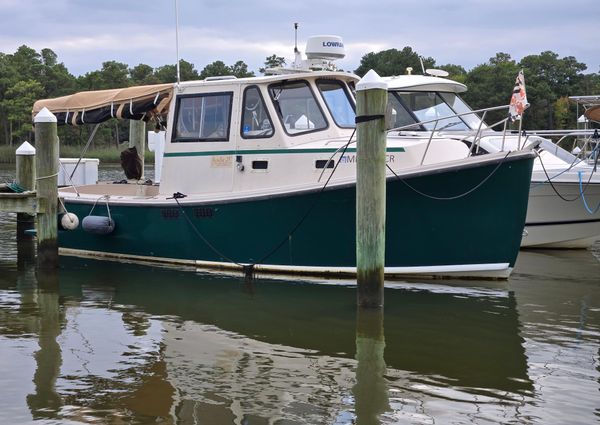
[{"x": 564, "y": 199}]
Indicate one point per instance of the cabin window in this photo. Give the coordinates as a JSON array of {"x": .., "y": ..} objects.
[
  {"x": 338, "y": 102},
  {"x": 431, "y": 108},
  {"x": 297, "y": 107},
  {"x": 203, "y": 117},
  {"x": 459, "y": 106},
  {"x": 401, "y": 117},
  {"x": 256, "y": 122}
]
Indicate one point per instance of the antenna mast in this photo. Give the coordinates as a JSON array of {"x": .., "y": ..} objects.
[
  {"x": 295, "y": 37},
  {"x": 177, "y": 40}
]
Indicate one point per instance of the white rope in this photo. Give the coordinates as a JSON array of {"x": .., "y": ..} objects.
[
  {"x": 68, "y": 177},
  {"x": 47, "y": 177},
  {"x": 106, "y": 197}
]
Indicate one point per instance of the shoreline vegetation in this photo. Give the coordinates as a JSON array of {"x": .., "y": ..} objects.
[{"x": 106, "y": 155}]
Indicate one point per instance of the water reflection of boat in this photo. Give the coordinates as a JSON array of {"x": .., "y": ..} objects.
[{"x": 212, "y": 339}]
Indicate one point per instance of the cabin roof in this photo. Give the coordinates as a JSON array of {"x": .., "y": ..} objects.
[
  {"x": 139, "y": 102},
  {"x": 423, "y": 83}
]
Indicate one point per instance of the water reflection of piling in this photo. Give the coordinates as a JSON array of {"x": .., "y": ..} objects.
[
  {"x": 45, "y": 401},
  {"x": 370, "y": 390}
]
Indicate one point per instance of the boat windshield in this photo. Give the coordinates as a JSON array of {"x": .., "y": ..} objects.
[
  {"x": 297, "y": 107},
  {"x": 338, "y": 102},
  {"x": 431, "y": 108}
]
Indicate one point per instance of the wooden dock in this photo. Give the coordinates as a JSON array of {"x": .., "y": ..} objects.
[{"x": 32, "y": 197}]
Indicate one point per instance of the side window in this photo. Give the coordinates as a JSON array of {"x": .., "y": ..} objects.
[
  {"x": 338, "y": 102},
  {"x": 401, "y": 117},
  {"x": 203, "y": 118},
  {"x": 297, "y": 107},
  {"x": 256, "y": 122}
]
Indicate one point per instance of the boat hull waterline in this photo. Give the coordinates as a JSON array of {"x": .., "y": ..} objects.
[
  {"x": 475, "y": 235},
  {"x": 553, "y": 222}
]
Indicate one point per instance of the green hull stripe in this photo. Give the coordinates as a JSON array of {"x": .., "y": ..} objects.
[{"x": 267, "y": 152}]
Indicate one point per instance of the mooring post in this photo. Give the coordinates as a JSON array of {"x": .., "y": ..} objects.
[
  {"x": 371, "y": 106},
  {"x": 25, "y": 162},
  {"x": 137, "y": 139},
  {"x": 46, "y": 140}
]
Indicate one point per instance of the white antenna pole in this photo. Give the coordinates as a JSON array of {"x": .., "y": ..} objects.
[
  {"x": 295, "y": 37},
  {"x": 177, "y": 40},
  {"x": 422, "y": 66}
]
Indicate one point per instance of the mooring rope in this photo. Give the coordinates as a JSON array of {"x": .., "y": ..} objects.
[
  {"x": 450, "y": 198},
  {"x": 249, "y": 268},
  {"x": 589, "y": 210},
  {"x": 549, "y": 180}
]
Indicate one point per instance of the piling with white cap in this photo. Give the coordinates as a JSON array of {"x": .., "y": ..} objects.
[
  {"x": 46, "y": 141},
  {"x": 371, "y": 105},
  {"x": 25, "y": 163}
]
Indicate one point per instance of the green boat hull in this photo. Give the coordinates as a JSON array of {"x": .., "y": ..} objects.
[{"x": 481, "y": 224}]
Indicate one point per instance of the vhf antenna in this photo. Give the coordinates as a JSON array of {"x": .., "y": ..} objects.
[
  {"x": 295, "y": 37},
  {"x": 177, "y": 41}
]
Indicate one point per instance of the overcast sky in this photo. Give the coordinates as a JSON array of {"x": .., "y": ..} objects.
[{"x": 85, "y": 33}]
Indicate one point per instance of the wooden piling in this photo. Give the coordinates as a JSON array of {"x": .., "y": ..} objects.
[
  {"x": 25, "y": 163},
  {"x": 371, "y": 105},
  {"x": 137, "y": 139},
  {"x": 46, "y": 141}
]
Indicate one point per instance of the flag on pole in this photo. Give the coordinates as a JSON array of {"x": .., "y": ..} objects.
[{"x": 518, "y": 101}]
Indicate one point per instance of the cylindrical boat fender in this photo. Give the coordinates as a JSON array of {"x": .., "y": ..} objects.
[
  {"x": 69, "y": 221},
  {"x": 98, "y": 224}
]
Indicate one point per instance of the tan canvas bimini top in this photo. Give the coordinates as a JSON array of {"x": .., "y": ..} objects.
[{"x": 92, "y": 107}]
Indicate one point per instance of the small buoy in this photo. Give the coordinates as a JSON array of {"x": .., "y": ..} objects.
[
  {"x": 100, "y": 225},
  {"x": 69, "y": 221}
]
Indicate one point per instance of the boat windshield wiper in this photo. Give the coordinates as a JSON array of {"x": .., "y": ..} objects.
[{"x": 450, "y": 124}]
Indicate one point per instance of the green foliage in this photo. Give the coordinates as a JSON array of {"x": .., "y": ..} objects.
[
  {"x": 561, "y": 113},
  {"x": 392, "y": 62},
  {"x": 491, "y": 84},
  {"x": 168, "y": 73},
  {"x": 272, "y": 61},
  {"x": 218, "y": 69},
  {"x": 27, "y": 75}
]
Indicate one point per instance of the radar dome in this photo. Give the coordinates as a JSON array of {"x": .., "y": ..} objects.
[{"x": 325, "y": 47}]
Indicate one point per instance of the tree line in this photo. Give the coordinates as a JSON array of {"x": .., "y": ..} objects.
[{"x": 27, "y": 75}]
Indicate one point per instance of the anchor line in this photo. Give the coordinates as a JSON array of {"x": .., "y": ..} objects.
[
  {"x": 451, "y": 198},
  {"x": 312, "y": 206},
  {"x": 589, "y": 210},
  {"x": 575, "y": 162},
  {"x": 176, "y": 197},
  {"x": 549, "y": 180}
]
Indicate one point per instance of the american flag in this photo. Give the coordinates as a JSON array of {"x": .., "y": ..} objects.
[{"x": 518, "y": 101}]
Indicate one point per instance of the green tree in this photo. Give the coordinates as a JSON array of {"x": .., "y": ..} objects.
[
  {"x": 491, "y": 84},
  {"x": 456, "y": 72},
  {"x": 548, "y": 78},
  {"x": 218, "y": 68},
  {"x": 17, "y": 105},
  {"x": 561, "y": 113},
  {"x": 215, "y": 69},
  {"x": 272, "y": 61},
  {"x": 142, "y": 74},
  {"x": 168, "y": 73},
  {"x": 240, "y": 70},
  {"x": 392, "y": 62}
]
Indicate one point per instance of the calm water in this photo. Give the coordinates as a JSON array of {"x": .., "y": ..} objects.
[{"x": 105, "y": 342}]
